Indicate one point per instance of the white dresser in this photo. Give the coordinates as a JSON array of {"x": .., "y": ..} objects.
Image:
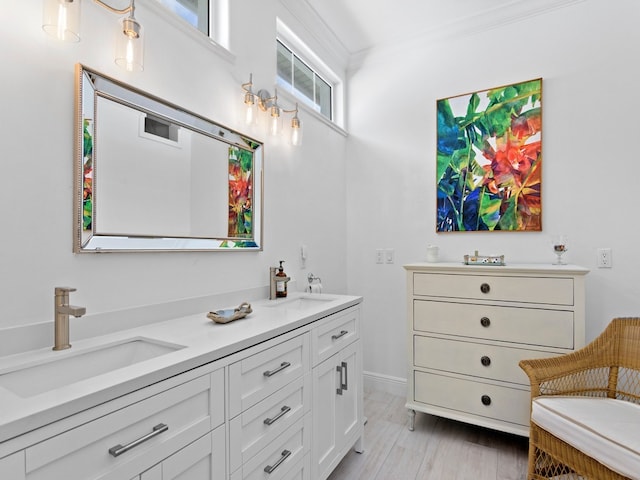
[{"x": 469, "y": 326}]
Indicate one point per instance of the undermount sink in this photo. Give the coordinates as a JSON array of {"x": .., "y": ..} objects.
[
  {"x": 29, "y": 380},
  {"x": 300, "y": 303}
]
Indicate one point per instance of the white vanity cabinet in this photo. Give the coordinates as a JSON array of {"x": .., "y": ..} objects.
[
  {"x": 283, "y": 401},
  {"x": 469, "y": 326},
  {"x": 338, "y": 418}
]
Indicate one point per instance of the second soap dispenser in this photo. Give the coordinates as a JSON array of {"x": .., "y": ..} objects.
[{"x": 281, "y": 282}]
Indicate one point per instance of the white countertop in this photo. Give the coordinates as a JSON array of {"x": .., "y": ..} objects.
[{"x": 204, "y": 342}]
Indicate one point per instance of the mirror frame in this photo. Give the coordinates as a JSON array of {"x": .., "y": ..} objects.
[{"x": 91, "y": 241}]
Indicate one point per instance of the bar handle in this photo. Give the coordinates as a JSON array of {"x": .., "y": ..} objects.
[
  {"x": 282, "y": 366},
  {"x": 284, "y": 455},
  {"x": 283, "y": 410},
  {"x": 341, "y": 334},
  {"x": 119, "y": 449}
]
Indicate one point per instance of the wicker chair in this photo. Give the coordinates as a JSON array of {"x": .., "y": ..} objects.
[{"x": 608, "y": 367}]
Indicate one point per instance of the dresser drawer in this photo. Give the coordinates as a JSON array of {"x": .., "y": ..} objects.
[
  {"x": 84, "y": 452},
  {"x": 477, "y": 359},
  {"x": 467, "y": 396},
  {"x": 332, "y": 336},
  {"x": 258, "y": 426},
  {"x": 532, "y": 326},
  {"x": 282, "y": 456},
  {"x": 256, "y": 377},
  {"x": 519, "y": 289}
]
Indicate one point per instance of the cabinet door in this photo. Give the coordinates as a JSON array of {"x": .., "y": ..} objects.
[
  {"x": 337, "y": 408},
  {"x": 350, "y": 401},
  {"x": 200, "y": 460}
]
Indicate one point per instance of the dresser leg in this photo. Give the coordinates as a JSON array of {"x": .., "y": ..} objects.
[{"x": 412, "y": 419}]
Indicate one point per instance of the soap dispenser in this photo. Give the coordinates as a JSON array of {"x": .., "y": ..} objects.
[{"x": 281, "y": 283}]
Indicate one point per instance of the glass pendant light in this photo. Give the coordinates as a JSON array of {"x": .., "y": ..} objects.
[
  {"x": 296, "y": 129},
  {"x": 130, "y": 44},
  {"x": 61, "y": 19}
]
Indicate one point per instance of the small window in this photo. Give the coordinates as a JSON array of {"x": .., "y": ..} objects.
[
  {"x": 303, "y": 81},
  {"x": 194, "y": 12}
]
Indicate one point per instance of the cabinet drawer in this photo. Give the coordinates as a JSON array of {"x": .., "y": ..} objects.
[
  {"x": 256, "y": 377},
  {"x": 332, "y": 336},
  {"x": 477, "y": 359},
  {"x": 83, "y": 453},
  {"x": 466, "y": 396},
  {"x": 532, "y": 326},
  {"x": 521, "y": 289},
  {"x": 258, "y": 426},
  {"x": 283, "y": 455}
]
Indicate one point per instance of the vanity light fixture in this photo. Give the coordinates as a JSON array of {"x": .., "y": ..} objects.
[
  {"x": 264, "y": 102},
  {"x": 61, "y": 19}
]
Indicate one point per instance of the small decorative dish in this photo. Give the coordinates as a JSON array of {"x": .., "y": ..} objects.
[
  {"x": 230, "y": 314},
  {"x": 476, "y": 259}
]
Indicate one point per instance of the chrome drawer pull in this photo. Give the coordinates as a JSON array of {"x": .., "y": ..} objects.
[
  {"x": 282, "y": 366},
  {"x": 283, "y": 410},
  {"x": 119, "y": 449},
  {"x": 285, "y": 454},
  {"x": 341, "y": 334}
]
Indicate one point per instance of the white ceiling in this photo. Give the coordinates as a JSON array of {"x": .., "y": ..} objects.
[{"x": 364, "y": 24}]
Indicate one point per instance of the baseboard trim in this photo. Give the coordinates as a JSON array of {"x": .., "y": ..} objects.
[{"x": 386, "y": 383}]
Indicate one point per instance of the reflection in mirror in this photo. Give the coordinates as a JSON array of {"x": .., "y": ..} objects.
[{"x": 151, "y": 176}]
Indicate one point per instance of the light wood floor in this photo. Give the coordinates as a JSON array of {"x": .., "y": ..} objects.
[{"x": 438, "y": 449}]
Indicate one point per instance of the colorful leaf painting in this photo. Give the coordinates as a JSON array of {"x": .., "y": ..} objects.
[
  {"x": 489, "y": 160},
  {"x": 240, "y": 193}
]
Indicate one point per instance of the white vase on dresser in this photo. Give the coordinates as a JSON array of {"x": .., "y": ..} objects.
[{"x": 469, "y": 326}]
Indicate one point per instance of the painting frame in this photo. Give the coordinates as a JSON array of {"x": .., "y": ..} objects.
[{"x": 489, "y": 159}]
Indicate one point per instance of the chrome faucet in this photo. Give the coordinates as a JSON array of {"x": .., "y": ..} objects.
[
  {"x": 62, "y": 311},
  {"x": 273, "y": 281}
]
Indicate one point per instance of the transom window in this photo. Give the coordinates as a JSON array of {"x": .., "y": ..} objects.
[
  {"x": 304, "y": 82},
  {"x": 194, "y": 12}
]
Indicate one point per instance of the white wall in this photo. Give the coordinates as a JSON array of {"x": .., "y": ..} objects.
[
  {"x": 36, "y": 138},
  {"x": 588, "y": 56}
]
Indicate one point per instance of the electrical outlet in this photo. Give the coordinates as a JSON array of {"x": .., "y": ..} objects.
[
  {"x": 379, "y": 255},
  {"x": 390, "y": 254},
  {"x": 604, "y": 258}
]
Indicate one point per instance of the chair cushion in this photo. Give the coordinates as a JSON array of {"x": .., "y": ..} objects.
[{"x": 605, "y": 429}]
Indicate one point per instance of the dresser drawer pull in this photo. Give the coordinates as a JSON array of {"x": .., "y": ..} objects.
[
  {"x": 342, "y": 368},
  {"x": 485, "y": 321},
  {"x": 486, "y": 361},
  {"x": 486, "y": 400},
  {"x": 283, "y": 410},
  {"x": 485, "y": 288},
  {"x": 282, "y": 366},
  {"x": 284, "y": 455},
  {"x": 119, "y": 449},
  {"x": 341, "y": 334}
]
